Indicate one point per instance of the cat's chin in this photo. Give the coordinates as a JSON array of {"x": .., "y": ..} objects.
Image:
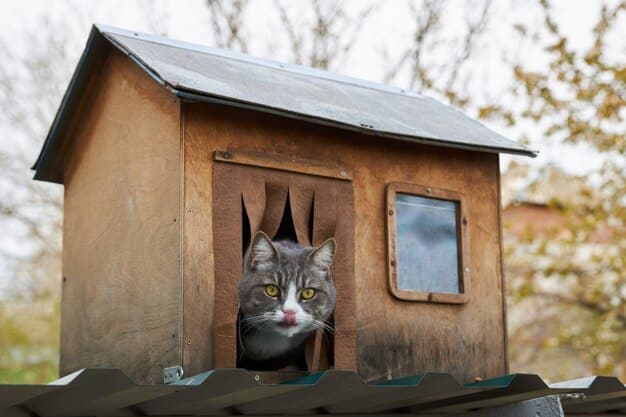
[{"x": 292, "y": 330}]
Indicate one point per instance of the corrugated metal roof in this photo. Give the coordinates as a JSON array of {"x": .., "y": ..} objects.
[
  {"x": 92, "y": 392},
  {"x": 206, "y": 74}
]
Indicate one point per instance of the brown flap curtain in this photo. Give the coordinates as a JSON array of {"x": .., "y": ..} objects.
[{"x": 320, "y": 208}]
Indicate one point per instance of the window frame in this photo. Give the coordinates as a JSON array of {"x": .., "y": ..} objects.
[{"x": 462, "y": 222}]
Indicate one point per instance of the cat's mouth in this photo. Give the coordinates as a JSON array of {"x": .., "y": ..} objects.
[{"x": 286, "y": 323}]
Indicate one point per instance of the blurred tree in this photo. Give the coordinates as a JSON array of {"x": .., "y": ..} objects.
[
  {"x": 317, "y": 33},
  {"x": 434, "y": 62},
  {"x": 324, "y": 34},
  {"x": 32, "y": 82},
  {"x": 570, "y": 280}
]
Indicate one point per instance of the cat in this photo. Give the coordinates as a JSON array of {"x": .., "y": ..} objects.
[{"x": 286, "y": 292}]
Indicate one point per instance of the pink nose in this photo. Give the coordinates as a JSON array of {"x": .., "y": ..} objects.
[{"x": 290, "y": 317}]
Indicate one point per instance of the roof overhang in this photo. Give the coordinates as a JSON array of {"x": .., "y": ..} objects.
[{"x": 197, "y": 73}]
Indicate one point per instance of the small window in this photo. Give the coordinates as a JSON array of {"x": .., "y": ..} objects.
[{"x": 427, "y": 248}]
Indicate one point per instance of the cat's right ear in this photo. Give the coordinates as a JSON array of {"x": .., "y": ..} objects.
[{"x": 263, "y": 254}]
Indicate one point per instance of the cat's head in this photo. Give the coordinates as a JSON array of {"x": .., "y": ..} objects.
[{"x": 286, "y": 287}]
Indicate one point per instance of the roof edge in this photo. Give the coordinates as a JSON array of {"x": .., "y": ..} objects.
[
  {"x": 45, "y": 168},
  {"x": 49, "y": 165},
  {"x": 195, "y": 96}
]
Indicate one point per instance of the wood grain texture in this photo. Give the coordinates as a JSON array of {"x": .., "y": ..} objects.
[
  {"x": 227, "y": 247},
  {"x": 275, "y": 201},
  {"x": 125, "y": 303},
  {"x": 198, "y": 277},
  {"x": 121, "y": 305},
  {"x": 301, "y": 202},
  {"x": 502, "y": 276},
  {"x": 309, "y": 165},
  {"x": 393, "y": 337}
]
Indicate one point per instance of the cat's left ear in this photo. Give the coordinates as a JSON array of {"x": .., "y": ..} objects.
[
  {"x": 262, "y": 254},
  {"x": 322, "y": 257}
]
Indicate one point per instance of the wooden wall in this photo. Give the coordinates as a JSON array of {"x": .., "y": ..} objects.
[
  {"x": 394, "y": 337},
  {"x": 121, "y": 300},
  {"x": 138, "y": 290}
]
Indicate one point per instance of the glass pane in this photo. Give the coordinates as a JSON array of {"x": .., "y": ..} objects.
[{"x": 426, "y": 242}]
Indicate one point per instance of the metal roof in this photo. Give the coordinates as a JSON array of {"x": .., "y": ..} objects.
[
  {"x": 92, "y": 392},
  {"x": 200, "y": 73}
]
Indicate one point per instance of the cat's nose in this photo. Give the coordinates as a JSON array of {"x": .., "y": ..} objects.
[{"x": 289, "y": 316}]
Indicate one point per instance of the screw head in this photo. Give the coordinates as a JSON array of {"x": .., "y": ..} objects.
[
  {"x": 391, "y": 212},
  {"x": 429, "y": 190},
  {"x": 343, "y": 173},
  {"x": 467, "y": 269},
  {"x": 257, "y": 378},
  {"x": 188, "y": 341}
]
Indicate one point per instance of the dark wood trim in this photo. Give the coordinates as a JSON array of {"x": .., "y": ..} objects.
[
  {"x": 283, "y": 163},
  {"x": 462, "y": 240},
  {"x": 505, "y": 333}
]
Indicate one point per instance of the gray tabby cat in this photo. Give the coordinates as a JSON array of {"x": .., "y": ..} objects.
[{"x": 285, "y": 293}]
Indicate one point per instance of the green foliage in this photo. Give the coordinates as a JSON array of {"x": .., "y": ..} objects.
[
  {"x": 576, "y": 276},
  {"x": 29, "y": 342}
]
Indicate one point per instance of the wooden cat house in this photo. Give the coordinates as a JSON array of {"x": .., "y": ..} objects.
[{"x": 172, "y": 155}]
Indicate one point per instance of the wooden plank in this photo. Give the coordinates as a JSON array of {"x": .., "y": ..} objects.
[
  {"x": 505, "y": 321},
  {"x": 227, "y": 247},
  {"x": 301, "y": 201},
  {"x": 394, "y": 337},
  {"x": 309, "y": 165},
  {"x": 122, "y": 285},
  {"x": 197, "y": 265},
  {"x": 275, "y": 202},
  {"x": 254, "y": 202},
  {"x": 324, "y": 215}
]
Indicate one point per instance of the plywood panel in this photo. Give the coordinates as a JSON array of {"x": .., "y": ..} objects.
[
  {"x": 198, "y": 275},
  {"x": 394, "y": 337},
  {"x": 121, "y": 303}
]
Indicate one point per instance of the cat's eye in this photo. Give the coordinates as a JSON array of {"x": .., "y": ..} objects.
[
  {"x": 271, "y": 290},
  {"x": 307, "y": 293}
]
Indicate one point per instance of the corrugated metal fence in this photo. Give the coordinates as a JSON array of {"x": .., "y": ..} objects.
[{"x": 108, "y": 392}]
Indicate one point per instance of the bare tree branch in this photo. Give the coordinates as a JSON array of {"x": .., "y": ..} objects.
[
  {"x": 293, "y": 36},
  {"x": 227, "y": 23},
  {"x": 426, "y": 15},
  {"x": 474, "y": 28}
]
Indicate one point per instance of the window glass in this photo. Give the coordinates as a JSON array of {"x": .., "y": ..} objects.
[{"x": 426, "y": 244}]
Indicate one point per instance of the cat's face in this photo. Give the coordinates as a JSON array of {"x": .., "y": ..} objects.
[{"x": 286, "y": 287}]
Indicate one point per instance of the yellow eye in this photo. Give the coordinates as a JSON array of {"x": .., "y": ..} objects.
[
  {"x": 307, "y": 293},
  {"x": 271, "y": 290}
]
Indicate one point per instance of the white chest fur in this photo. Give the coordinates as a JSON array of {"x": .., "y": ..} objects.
[{"x": 265, "y": 344}]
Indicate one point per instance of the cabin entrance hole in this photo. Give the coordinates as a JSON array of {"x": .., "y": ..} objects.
[
  {"x": 317, "y": 351},
  {"x": 300, "y": 207}
]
